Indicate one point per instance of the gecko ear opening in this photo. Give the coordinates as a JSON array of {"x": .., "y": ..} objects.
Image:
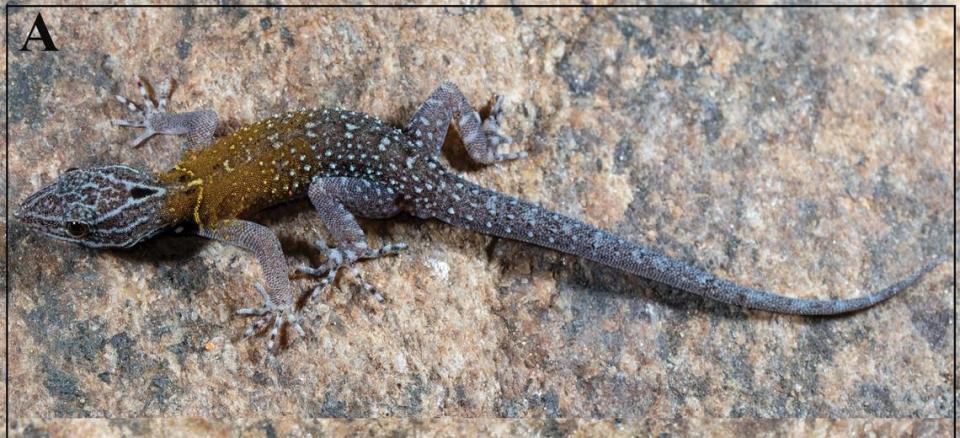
[{"x": 141, "y": 192}]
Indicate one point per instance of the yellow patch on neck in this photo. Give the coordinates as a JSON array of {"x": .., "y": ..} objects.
[
  {"x": 196, "y": 208},
  {"x": 187, "y": 171}
]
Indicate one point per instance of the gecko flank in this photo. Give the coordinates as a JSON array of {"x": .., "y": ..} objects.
[{"x": 347, "y": 164}]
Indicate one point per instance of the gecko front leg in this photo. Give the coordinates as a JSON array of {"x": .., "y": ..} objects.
[
  {"x": 334, "y": 198},
  {"x": 278, "y": 299},
  {"x": 198, "y": 126}
]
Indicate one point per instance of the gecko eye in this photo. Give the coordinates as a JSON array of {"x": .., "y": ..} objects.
[
  {"x": 140, "y": 192},
  {"x": 77, "y": 229}
]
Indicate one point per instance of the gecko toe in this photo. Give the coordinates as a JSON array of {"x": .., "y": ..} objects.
[
  {"x": 147, "y": 115},
  {"x": 385, "y": 250},
  {"x": 318, "y": 271},
  {"x": 345, "y": 257},
  {"x": 367, "y": 287},
  {"x": 271, "y": 341},
  {"x": 254, "y": 327},
  {"x": 495, "y": 136},
  {"x": 278, "y": 316},
  {"x": 254, "y": 311},
  {"x": 331, "y": 275},
  {"x": 128, "y": 123}
]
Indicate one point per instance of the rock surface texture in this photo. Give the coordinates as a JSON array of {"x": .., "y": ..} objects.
[
  {"x": 804, "y": 151},
  {"x": 295, "y": 428}
]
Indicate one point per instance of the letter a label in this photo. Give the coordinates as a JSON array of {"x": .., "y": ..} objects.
[{"x": 40, "y": 29}]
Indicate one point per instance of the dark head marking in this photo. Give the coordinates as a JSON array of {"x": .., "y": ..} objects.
[{"x": 110, "y": 206}]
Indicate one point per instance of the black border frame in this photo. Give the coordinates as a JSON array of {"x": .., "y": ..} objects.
[{"x": 6, "y": 96}]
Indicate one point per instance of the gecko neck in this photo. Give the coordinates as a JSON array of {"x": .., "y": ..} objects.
[{"x": 183, "y": 199}]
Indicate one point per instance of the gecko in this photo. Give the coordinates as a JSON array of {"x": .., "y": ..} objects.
[{"x": 348, "y": 164}]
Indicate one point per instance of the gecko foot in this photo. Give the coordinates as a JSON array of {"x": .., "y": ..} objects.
[
  {"x": 346, "y": 256},
  {"x": 198, "y": 127},
  {"x": 495, "y": 137},
  {"x": 268, "y": 312},
  {"x": 148, "y": 116}
]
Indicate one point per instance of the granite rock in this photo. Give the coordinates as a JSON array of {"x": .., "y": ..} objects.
[
  {"x": 294, "y": 427},
  {"x": 807, "y": 151}
]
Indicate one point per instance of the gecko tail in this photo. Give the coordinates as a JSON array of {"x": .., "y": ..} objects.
[{"x": 475, "y": 208}]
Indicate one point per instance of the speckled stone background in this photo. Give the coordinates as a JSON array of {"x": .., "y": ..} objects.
[
  {"x": 446, "y": 427},
  {"x": 805, "y": 151}
]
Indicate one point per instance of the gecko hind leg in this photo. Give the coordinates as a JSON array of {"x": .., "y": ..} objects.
[
  {"x": 198, "y": 127},
  {"x": 334, "y": 198},
  {"x": 482, "y": 138}
]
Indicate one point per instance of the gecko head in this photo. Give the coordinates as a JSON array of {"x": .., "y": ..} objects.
[{"x": 99, "y": 207}]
